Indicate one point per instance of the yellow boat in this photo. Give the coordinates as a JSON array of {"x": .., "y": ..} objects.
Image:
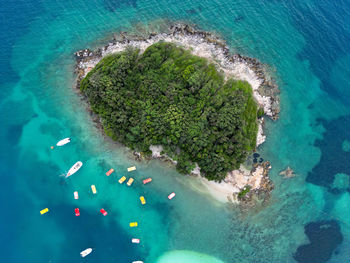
[
  {"x": 133, "y": 224},
  {"x": 143, "y": 200},
  {"x": 132, "y": 168},
  {"x": 93, "y": 188},
  {"x": 44, "y": 211},
  {"x": 121, "y": 180},
  {"x": 131, "y": 180}
]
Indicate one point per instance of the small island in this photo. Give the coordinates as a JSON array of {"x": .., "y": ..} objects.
[
  {"x": 167, "y": 96},
  {"x": 177, "y": 96}
]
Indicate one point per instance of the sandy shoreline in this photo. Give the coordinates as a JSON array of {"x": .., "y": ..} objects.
[{"x": 206, "y": 45}]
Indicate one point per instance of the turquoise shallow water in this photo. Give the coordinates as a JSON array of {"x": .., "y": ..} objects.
[{"x": 306, "y": 45}]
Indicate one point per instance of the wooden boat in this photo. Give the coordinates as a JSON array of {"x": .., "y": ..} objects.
[
  {"x": 77, "y": 212},
  {"x": 143, "y": 200},
  {"x": 103, "y": 212},
  {"x": 135, "y": 240},
  {"x": 45, "y": 210},
  {"x": 110, "y": 172},
  {"x": 121, "y": 180},
  {"x": 93, "y": 188},
  {"x": 130, "y": 181},
  {"x": 132, "y": 168},
  {"x": 146, "y": 181},
  {"x": 133, "y": 224}
]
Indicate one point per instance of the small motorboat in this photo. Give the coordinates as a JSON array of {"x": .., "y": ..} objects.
[
  {"x": 85, "y": 252},
  {"x": 121, "y": 180},
  {"x": 74, "y": 168},
  {"x": 77, "y": 212},
  {"x": 110, "y": 172},
  {"x": 137, "y": 261},
  {"x": 171, "y": 196},
  {"x": 146, "y": 181},
  {"x": 143, "y": 200},
  {"x": 130, "y": 181},
  {"x": 132, "y": 168},
  {"x": 93, "y": 189},
  {"x": 133, "y": 224},
  {"x": 103, "y": 212},
  {"x": 45, "y": 210},
  {"x": 76, "y": 195},
  {"x": 63, "y": 142},
  {"x": 135, "y": 240}
]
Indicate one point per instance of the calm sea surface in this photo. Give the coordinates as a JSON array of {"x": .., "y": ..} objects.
[{"x": 306, "y": 43}]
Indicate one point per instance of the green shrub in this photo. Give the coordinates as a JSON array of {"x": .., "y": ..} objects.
[{"x": 244, "y": 192}]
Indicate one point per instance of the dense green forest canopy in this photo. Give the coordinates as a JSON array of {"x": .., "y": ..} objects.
[{"x": 167, "y": 96}]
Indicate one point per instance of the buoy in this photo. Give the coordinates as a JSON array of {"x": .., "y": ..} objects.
[{"x": 51, "y": 147}]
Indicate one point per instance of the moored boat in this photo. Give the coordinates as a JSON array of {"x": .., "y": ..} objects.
[
  {"x": 133, "y": 224},
  {"x": 45, "y": 210},
  {"x": 121, "y": 180},
  {"x": 143, "y": 200},
  {"x": 103, "y": 212},
  {"x": 93, "y": 189},
  {"x": 109, "y": 172},
  {"x": 146, "y": 181},
  {"x": 74, "y": 168},
  {"x": 171, "y": 196},
  {"x": 135, "y": 240},
  {"x": 77, "y": 212},
  {"x": 130, "y": 181},
  {"x": 85, "y": 252},
  {"x": 132, "y": 168},
  {"x": 76, "y": 195},
  {"x": 63, "y": 142}
]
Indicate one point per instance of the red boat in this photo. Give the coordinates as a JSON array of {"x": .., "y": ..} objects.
[
  {"x": 109, "y": 172},
  {"x": 146, "y": 181},
  {"x": 104, "y": 212},
  {"x": 77, "y": 212}
]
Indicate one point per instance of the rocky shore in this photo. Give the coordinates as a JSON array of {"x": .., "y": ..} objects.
[{"x": 243, "y": 184}]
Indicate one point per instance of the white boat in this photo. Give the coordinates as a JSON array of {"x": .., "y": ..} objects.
[
  {"x": 76, "y": 195},
  {"x": 138, "y": 261},
  {"x": 135, "y": 240},
  {"x": 85, "y": 252},
  {"x": 63, "y": 142},
  {"x": 74, "y": 168},
  {"x": 132, "y": 168},
  {"x": 171, "y": 196}
]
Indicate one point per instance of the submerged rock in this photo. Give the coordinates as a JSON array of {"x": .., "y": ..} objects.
[{"x": 288, "y": 173}]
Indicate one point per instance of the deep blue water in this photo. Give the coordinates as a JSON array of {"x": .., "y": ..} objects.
[{"x": 306, "y": 43}]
